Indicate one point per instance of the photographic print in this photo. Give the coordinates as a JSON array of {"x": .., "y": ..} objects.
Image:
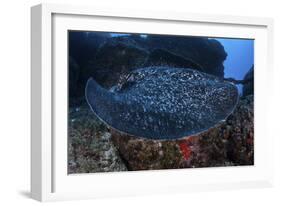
[{"x": 151, "y": 102}]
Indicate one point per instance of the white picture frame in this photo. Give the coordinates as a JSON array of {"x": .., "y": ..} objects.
[{"x": 49, "y": 179}]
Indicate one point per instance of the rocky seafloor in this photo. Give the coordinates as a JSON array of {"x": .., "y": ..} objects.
[
  {"x": 90, "y": 148},
  {"x": 93, "y": 147}
]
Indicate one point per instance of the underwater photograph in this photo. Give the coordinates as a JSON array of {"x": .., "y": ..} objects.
[{"x": 152, "y": 102}]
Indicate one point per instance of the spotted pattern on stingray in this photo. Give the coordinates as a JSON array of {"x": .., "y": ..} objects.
[{"x": 163, "y": 102}]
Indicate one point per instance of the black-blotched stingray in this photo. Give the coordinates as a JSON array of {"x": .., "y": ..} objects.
[{"x": 163, "y": 102}]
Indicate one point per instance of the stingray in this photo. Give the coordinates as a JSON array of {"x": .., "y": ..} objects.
[{"x": 163, "y": 103}]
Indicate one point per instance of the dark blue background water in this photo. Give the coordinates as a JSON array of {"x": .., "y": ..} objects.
[{"x": 240, "y": 57}]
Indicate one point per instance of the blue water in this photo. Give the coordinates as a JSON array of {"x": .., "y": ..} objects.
[{"x": 240, "y": 57}]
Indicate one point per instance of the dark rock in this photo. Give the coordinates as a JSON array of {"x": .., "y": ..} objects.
[
  {"x": 208, "y": 53},
  {"x": 140, "y": 154},
  {"x": 192, "y": 102},
  {"x": 113, "y": 60},
  {"x": 102, "y": 57},
  {"x": 248, "y": 88},
  {"x": 227, "y": 144},
  {"x": 83, "y": 45},
  {"x": 107, "y": 58},
  {"x": 92, "y": 148},
  {"x": 73, "y": 75},
  {"x": 82, "y": 50}
]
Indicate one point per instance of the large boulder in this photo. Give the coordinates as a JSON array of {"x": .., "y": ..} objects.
[
  {"x": 209, "y": 53},
  {"x": 113, "y": 60},
  {"x": 107, "y": 58},
  {"x": 120, "y": 55}
]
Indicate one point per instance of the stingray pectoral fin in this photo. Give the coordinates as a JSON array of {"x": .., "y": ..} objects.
[
  {"x": 103, "y": 102},
  {"x": 92, "y": 93},
  {"x": 97, "y": 97}
]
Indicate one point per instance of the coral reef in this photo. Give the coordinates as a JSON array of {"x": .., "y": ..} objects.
[
  {"x": 95, "y": 148},
  {"x": 73, "y": 74},
  {"x": 208, "y": 53},
  {"x": 89, "y": 145}
]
